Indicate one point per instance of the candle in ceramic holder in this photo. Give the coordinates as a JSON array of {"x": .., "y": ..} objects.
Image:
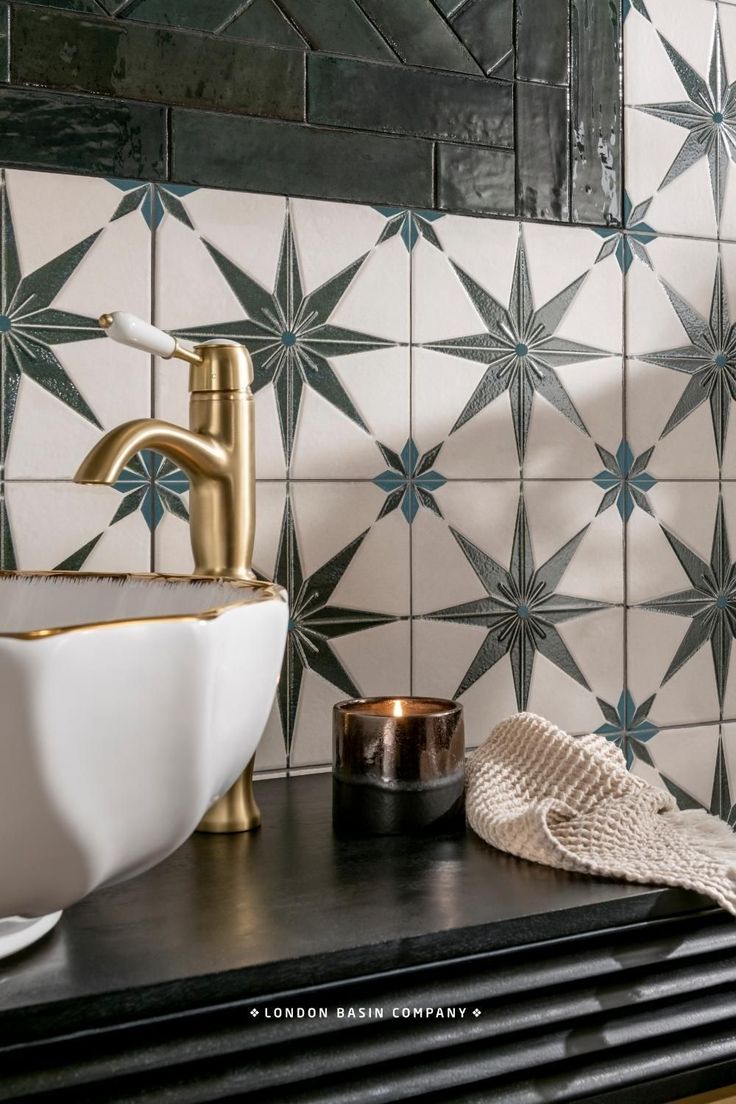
[{"x": 398, "y": 766}]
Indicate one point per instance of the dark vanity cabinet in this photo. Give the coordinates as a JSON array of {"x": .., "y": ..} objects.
[{"x": 286, "y": 965}]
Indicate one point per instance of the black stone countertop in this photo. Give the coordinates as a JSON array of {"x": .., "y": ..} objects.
[{"x": 231, "y": 917}]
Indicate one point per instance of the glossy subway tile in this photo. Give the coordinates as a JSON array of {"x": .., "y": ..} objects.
[
  {"x": 263, "y": 21},
  {"x": 409, "y": 101},
  {"x": 131, "y": 61},
  {"x": 474, "y": 179},
  {"x": 82, "y": 134},
  {"x": 542, "y": 184},
  {"x": 420, "y": 35},
  {"x": 341, "y": 27},
  {"x": 542, "y": 41},
  {"x": 259, "y": 155},
  {"x": 596, "y": 184},
  {"x": 487, "y": 29}
]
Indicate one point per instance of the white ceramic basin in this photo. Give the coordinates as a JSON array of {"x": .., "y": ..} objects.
[{"x": 129, "y": 705}]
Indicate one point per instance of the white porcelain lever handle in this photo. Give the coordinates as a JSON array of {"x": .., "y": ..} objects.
[{"x": 130, "y": 330}]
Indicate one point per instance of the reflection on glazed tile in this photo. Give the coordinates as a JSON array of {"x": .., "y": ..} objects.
[
  {"x": 542, "y": 125},
  {"x": 472, "y": 178},
  {"x": 541, "y": 41},
  {"x": 172, "y": 67},
  {"x": 80, "y": 134},
  {"x": 63, "y": 525},
  {"x": 409, "y": 101},
  {"x": 595, "y": 113}
]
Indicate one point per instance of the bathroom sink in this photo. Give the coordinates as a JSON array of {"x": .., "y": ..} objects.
[{"x": 130, "y": 703}]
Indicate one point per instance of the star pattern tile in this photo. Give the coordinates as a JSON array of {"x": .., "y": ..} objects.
[
  {"x": 627, "y": 725},
  {"x": 625, "y": 480},
  {"x": 410, "y": 480},
  {"x": 314, "y": 621},
  {"x": 708, "y": 114},
  {"x": 30, "y": 325},
  {"x": 154, "y": 485},
  {"x": 709, "y": 359},
  {"x": 521, "y": 610},
  {"x": 631, "y": 240},
  {"x": 709, "y": 603},
  {"x": 520, "y": 349},
  {"x": 409, "y": 225},
  {"x": 289, "y": 333},
  {"x": 153, "y": 201}
]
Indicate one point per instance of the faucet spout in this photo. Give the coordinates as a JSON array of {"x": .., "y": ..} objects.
[
  {"x": 217, "y": 453},
  {"x": 197, "y": 455}
]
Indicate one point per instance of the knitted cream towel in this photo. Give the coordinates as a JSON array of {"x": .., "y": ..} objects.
[{"x": 570, "y": 802}]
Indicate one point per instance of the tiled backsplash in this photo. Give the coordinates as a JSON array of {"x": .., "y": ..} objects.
[
  {"x": 495, "y": 458},
  {"x": 496, "y": 106}
]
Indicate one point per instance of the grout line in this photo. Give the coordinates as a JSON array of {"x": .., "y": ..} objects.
[
  {"x": 411, "y": 436},
  {"x": 461, "y": 480},
  {"x": 624, "y": 366},
  {"x": 152, "y": 316},
  {"x": 240, "y": 9}
]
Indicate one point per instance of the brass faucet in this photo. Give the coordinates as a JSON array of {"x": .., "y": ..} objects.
[{"x": 217, "y": 453}]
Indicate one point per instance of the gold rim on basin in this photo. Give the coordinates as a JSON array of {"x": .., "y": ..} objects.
[{"x": 267, "y": 592}]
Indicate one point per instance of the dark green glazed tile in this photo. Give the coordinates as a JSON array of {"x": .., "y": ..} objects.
[
  {"x": 487, "y": 29},
  {"x": 228, "y": 151},
  {"x": 4, "y": 42},
  {"x": 470, "y": 178},
  {"x": 408, "y": 101},
  {"x": 420, "y": 35},
  {"x": 447, "y": 7},
  {"x": 134, "y": 61},
  {"x": 542, "y": 32},
  {"x": 87, "y": 7},
  {"x": 196, "y": 15},
  {"x": 263, "y": 22},
  {"x": 542, "y": 152},
  {"x": 337, "y": 26},
  {"x": 81, "y": 134},
  {"x": 596, "y": 113}
]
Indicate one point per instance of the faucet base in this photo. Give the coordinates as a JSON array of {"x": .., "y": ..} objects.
[{"x": 237, "y": 810}]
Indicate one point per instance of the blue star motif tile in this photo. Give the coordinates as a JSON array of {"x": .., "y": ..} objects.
[
  {"x": 632, "y": 240},
  {"x": 153, "y": 201},
  {"x": 624, "y": 480},
  {"x": 409, "y": 225},
  {"x": 154, "y": 485},
  {"x": 627, "y": 726},
  {"x": 410, "y": 480}
]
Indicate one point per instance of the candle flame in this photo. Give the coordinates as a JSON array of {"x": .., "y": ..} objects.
[{"x": 398, "y": 709}]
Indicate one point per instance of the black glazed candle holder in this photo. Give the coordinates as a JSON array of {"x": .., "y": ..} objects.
[{"x": 398, "y": 767}]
